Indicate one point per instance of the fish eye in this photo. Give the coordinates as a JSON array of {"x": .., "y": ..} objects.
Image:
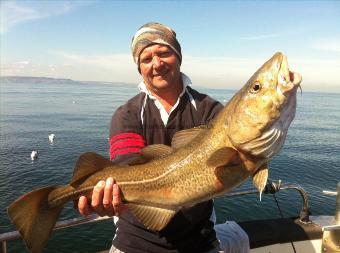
[{"x": 255, "y": 88}]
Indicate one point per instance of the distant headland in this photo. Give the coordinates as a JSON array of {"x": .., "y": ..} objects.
[
  {"x": 51, "y": 80},
  {"x": 32, "y": 79}
]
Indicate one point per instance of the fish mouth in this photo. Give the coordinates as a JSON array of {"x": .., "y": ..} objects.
[{"x": 287, "y": 81}]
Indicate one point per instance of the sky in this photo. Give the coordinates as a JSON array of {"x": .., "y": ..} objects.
[{"x": 223, "y": 42}]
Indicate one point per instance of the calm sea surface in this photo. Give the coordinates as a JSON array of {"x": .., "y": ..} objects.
[{"x": 79, "y": 116}]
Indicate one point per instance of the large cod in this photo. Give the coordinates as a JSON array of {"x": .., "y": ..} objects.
[{"x": 201, "y": 163}]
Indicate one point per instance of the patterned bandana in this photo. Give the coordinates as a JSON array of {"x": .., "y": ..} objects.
[{"x": 154, "y": 33}]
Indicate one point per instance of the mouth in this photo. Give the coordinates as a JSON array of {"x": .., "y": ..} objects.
[
  {"x": 288, "y": 80},
  {"x": 160, "y": 74},
  {"x": 296, "y": 79}
]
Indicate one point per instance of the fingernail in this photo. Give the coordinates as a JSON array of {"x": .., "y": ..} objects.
[
  {"x": 109, "y": 181},
  {"x": 101, "y": 183}
]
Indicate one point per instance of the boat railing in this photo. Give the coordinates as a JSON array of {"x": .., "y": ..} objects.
[{"x": 270, "y": 188}]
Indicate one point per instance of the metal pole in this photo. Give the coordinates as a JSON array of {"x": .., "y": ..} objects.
[
  {"x": 4, "y": 247},
  {"x": 337, "y": 205}
]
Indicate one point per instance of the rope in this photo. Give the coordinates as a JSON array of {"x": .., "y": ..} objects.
[{"x": 278, "y": 206}]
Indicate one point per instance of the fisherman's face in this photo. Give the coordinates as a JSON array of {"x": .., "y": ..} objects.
[{"x": 160, "y": 68}]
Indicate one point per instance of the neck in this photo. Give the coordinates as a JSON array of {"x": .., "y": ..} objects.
[
  {"x": 168, "y": 102},
  {"x": 168, "y": 97}
]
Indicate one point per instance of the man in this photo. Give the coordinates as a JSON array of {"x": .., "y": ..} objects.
[{"x": 166, "y": 104}]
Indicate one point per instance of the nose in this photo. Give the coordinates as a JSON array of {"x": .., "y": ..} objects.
[{"x": 156, "y": 61}]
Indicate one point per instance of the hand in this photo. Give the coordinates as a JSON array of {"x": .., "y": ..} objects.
[{"x": 106, "y": 200}]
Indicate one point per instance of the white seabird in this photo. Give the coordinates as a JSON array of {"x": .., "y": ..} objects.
[
  {"x": 51, "y": 137},
  {"x": 34, "y": 155}
]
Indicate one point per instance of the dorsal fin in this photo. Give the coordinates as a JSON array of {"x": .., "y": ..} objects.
[
  {"x": 183, "y": 137},
  {"x": 87, "y": 164},
  {"x": 129, "y": 159},
  {"x": 222, "y": 157},
  {"x": 156, "y": 151},
  {"x": 154, "y": 218},
  {"x": 149, "y": 153},
  {"x": 137, "y": 159}
]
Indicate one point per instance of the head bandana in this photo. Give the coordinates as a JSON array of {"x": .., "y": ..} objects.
[{"x": 154, "y": 33}]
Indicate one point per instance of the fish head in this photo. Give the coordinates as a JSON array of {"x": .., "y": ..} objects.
[{"x": 263, "y": 109}]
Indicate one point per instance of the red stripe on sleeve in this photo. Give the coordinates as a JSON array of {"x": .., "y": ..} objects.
[
  {"x": 126, "y": 151},
  {"x": 125, "y": 143},
  {"x": 120, "y": 144},
  {"x": 125, "y": 135}
]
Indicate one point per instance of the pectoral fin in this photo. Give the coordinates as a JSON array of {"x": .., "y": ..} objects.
[
  {"x": 260, "y": 179},
  {"x": 249, "y": 164},
  {"x": 222, "y": 157},
  {"x": 154, "y": 218},
  {"x": 229, "y": 177}
]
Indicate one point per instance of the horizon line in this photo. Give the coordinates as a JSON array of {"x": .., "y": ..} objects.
[{"x": 135, "y": 84}]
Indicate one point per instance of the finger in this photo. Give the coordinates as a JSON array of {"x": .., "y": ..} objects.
[
  {"x": 107, "y": 199},
  {"x": 108, "y": 192},
  {"x": 83, "y": 206},
  {"x": 97, "y": 197},
  {"x": 116, "y": 199}
]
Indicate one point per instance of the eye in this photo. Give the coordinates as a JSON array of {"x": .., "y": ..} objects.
[
  {"x": 145, "y": 60},
  {"x": 255, "y": 88},
  {"x": 165, "y": 54}
]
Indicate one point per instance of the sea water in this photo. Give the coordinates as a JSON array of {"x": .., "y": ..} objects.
[{"x": 79, "y": 115}]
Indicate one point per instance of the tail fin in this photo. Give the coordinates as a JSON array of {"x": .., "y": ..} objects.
[{"x": 34, "y": 218}]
